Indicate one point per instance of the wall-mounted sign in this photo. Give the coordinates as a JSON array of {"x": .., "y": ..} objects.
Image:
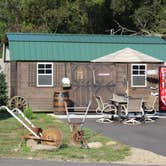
[
  {"x": 152, "y": 72},
  {"x": 103, "y": 74}
]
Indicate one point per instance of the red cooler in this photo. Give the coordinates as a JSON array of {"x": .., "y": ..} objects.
[{"x": 162, "y": 90}]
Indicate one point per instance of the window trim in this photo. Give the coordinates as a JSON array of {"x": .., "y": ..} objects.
[
  {"x": 37, "y": 83},
  {"x": 138, "y": 64}
]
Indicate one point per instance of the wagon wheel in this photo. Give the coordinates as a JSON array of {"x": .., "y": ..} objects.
[
  {"x": 52, "y": 136},
  {"x": 18, "y": 102}
]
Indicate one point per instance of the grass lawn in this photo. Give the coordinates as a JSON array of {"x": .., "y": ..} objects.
[{"x": 11, "y": 146}]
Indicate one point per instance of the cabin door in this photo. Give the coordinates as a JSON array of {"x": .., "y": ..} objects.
[
  {"x": 104, "y": 78},
  {"x": 95, "y": 79},
  {"x": 81, "y": 74}
]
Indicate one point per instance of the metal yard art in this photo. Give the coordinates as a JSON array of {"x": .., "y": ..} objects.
[
  {"x": 77, "y": 137},
  {"x": 50, "y": 136}
]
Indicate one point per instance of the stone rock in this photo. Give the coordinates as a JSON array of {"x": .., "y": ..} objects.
[
  {"x": 34, "y": 146},
  {"x": 95, "y": 145},
  {"x": 110, "y": 143},
  {"x": 44, "y": 147},
  {"x": 31, "y": 143}
]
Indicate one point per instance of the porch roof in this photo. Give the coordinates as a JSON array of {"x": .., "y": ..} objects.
[
  {"x": 76, "y": 47},
  {"x": 127, "y": 55}
]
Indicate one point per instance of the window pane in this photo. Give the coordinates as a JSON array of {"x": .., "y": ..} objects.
[
  {"x": 48, "y": 71},
  {"x": 135, "y": 72},
  {"x": 139, "y": 80},
  {"x": 40, "y": 65},
  {"x": 45, "y": 79},
  {"x": 135, "y": 66},
  {"x": 48, "y": 66},
  {"x": 142, "y": 67},
  {"x": 142, "y": 72},
  {"x": 41, "y": 71}
]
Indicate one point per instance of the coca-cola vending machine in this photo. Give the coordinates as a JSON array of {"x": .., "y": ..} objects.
[{"x": 162, "y": 89}]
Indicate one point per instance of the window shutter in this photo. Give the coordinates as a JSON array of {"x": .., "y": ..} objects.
[{"x": 32, "y": 75}]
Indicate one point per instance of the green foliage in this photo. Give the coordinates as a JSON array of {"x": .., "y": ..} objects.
[
  {"x": 77, "y": 20},
  {"x": 3, "y": 90},
  {"x": 29, "y": 113},
  {"x": 24, "y": 147},
  {"x": 121, "y": 6},
  {"x": 143, "y": 17},
  {"x": 77, "y": 16}
]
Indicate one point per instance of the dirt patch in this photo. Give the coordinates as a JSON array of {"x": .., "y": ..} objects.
[{"x": 143, "y": 157}]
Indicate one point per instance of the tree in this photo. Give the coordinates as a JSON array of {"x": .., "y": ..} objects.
[
  {"x": 122, "y": 10},
  {"x": 144, "y": 18},
  {"x": 149, "y": 17},
  {"x": 161, "y": 21},
  {"x": 3, "y": 90},
  {"x": 82, "y": 16},
  {"x": 122, "y": 6}
]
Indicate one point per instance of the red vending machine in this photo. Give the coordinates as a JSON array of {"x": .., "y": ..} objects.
[{"x": 162, "y": 90}]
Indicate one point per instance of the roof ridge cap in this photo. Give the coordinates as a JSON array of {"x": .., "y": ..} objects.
[{"x": 72, "y": 34}]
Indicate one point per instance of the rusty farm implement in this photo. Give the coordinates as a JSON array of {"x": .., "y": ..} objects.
[{"x": 49, "y": 136}]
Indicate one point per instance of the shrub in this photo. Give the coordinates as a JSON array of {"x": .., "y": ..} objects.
[
  {"x": 3, "y": 90},
  {"x": 29, "y": 113},
  {"x": 24, "y": 147}
]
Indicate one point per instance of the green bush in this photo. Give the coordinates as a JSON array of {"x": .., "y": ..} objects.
[
  {"x": 29, "y": 113},
  {"x": 3, "y": 90},
  {"x": 24, "y": 147}
]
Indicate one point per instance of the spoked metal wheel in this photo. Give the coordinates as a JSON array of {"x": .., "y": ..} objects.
[
  {"x": 52, "y": 136},
  {"x": 18, "y": 102}
]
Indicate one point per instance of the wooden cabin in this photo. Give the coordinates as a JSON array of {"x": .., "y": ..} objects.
[{"x": 97, "y": 64}]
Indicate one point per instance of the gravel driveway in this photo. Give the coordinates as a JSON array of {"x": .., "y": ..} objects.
[{"x": 151, "y": 137}]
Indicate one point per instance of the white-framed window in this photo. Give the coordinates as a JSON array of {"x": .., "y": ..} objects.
[
  {"x": 44, "y": 74},
  {"x": 138, "y": 75}
]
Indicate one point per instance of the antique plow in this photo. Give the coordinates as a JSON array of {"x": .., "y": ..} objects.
[
  {"x": 50, "y": 136},
  {"x": 76, "y": 128}
]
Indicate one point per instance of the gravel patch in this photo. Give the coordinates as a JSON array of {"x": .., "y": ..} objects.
[{"x": 143, "y": 157}]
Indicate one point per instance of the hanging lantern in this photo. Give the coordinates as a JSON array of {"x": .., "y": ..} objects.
[{"x": 66, "y": 82}]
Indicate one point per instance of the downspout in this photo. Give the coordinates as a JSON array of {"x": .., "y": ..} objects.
[
  {"x": 2, "y": 61},
  {"x": 65, "y": 70},
  {"x": 6, "y": 68}
]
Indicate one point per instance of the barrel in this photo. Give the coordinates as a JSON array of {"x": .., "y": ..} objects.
[{"x": 59, "y": 98}]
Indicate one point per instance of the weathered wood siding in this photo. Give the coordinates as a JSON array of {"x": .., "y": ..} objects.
[
  {"x": 96, "y": 78},
  {"x": 13, "y": 79},
  {"x": 39, "y": 98},
  {"x": 143, "y": 92}
]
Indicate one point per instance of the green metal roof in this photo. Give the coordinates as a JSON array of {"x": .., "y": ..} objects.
[{"x": 75, "y": 47}]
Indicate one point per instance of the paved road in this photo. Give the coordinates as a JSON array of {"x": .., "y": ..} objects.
[
  {"x": 151, "y": 137},
  {"x": 20, "y": 162}
]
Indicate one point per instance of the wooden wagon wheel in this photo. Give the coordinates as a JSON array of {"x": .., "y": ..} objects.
[{"x": 18, "y": 102}]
